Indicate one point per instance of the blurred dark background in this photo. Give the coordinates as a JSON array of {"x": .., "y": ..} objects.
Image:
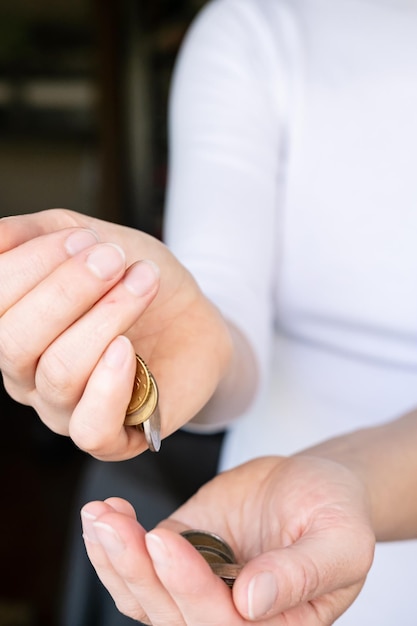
[{"x": 83, "y": 97}]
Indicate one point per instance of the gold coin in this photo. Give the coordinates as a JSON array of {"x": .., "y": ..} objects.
[
  {"x": 145, "y": 410},
  {"x": 141, "y": 388},
  {"x": 142, "y": 411}
]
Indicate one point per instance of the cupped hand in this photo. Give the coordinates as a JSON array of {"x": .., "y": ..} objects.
[
  {"x": 300, "y": 525},
  {"x": 79, "y": 297}
]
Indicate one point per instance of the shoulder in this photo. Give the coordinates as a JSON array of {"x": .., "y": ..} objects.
[
  {"x": 239, "y": 39},
  {"x": 247, "y": 26}
]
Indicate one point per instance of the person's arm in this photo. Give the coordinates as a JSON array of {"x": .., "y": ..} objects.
[
  {"x": 221, "y": 225},
  {"x": 226, "y": 135},
  {"x": 384, "y": 458},
  {"x": 303, "y": 526},
  {"x": 93, "y": 305}
]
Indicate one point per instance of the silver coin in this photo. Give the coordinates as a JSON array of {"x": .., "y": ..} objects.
[
  {"x": 228, "y": 572},
  {"x": 143, "y": 409},
  {"x": 210, "y": 544},
  {"x": 152, "y": 430},
  {"x": 218, "y": 554}
]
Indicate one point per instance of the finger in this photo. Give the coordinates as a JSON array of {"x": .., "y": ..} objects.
[
  {"x": 66, "y": 365},
  {"x": 54, "y": 304},
  {"x": 11, "y": 233},
  {"x": 311, "y": 569},
  {"x": 23, "y": 267},
  {"x": 17, "y": 229},
  {"x": 121, "y": 506},
  {"x": 126, "y": 570},
  {"x": 97, "y": 423},
  {"x": 201, "y": 597},
  {"x": 116, "y": 586}
]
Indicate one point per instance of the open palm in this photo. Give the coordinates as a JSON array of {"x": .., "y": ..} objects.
[{"x": 300, "y": 525}]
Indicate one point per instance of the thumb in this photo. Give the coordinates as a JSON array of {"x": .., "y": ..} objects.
[{"x": 316, "y": 565}]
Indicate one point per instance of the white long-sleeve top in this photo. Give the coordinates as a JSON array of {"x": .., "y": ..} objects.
[{"x": 293, "y": 200}]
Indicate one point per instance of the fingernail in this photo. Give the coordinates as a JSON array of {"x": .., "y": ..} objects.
[
  {"x": 141, "y": 277},
  {"x": 89, "y": 532},
  {"x": 80, "y": 240},
  {"x": 160, "y": 555},
  {"x": 117, "y": 352},
  {"x": 109, "y": 538},
  {"x": 106, "y": 261},
  {"x": 262, "y": 594}
]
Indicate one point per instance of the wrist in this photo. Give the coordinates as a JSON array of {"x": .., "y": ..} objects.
[
  {"x": 383, "y": 458},
  {"x": 237, "y": 382}
]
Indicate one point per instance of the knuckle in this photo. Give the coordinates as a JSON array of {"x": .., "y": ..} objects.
[
  {"x": 15, "y": 392},
  {"x": 55, "y": 380},
  {"x": 62, "y": 216},
  {"x": 305, "y": 581},
  {"x": 17, "y": 367},
  {"x": 60, "y": 298},
  {"x": 57, "y": 423},
  {"x": 309, "y": 583},
  {"x": 14, "y": 358},
  {"x": 129, "y": 606},
  {"x": 88, "y": 438},
  {"x": 130, "y": 578},
  {"x": 6, "y": 232}
]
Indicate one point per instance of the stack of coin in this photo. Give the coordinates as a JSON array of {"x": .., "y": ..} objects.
[
  {"x": 143, "y": 411},
  {"x": 218, "y": 554}
]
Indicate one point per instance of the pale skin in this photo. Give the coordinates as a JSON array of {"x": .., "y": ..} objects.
[
  {"x": 88, "y": 289},
  {"x": 305, "y": 527},
  {"x": 79, "y": 297}
]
